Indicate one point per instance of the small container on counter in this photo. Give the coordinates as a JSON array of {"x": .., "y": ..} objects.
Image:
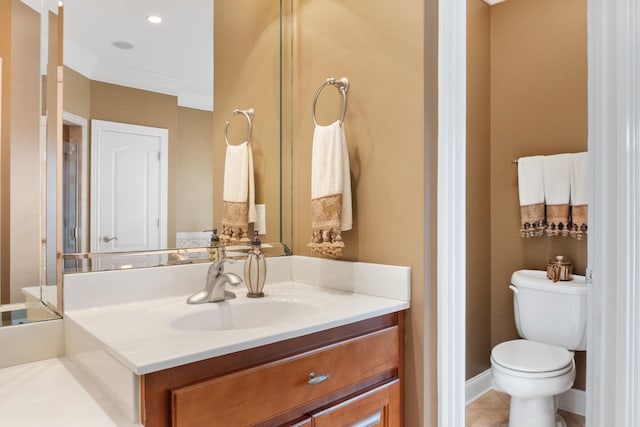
[{"x": 559, "y": 268}]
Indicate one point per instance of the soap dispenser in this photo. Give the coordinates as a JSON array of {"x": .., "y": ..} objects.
[
  {"x": 255, "y": 269},
  {"x": 216, "y": 251}
]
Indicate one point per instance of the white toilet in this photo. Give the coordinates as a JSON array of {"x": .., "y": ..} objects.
[{"x": 552, "y": 319}]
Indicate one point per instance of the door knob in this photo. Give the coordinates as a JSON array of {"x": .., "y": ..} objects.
[{"x": 107, "y": 239}]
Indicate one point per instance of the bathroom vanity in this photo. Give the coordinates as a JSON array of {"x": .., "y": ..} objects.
[
  {"x": 351, "y": 373},
  {"x": 324, "y": 347}
]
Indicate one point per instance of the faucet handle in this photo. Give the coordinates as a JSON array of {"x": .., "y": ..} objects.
[{"x": 219, "y": 265}]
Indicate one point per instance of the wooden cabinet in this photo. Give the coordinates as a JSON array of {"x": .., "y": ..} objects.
[{"x": 350, "y": 375}]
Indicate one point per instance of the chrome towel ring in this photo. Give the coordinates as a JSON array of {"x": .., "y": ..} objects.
[
  {"x": 248, "y": 114},
  {"x": 342, "y": 85}
]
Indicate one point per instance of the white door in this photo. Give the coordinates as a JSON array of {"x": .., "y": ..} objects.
[{"x": 128, "y": 187}]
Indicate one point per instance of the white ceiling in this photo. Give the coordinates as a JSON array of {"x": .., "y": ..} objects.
[{"x": 173, "y": 57}]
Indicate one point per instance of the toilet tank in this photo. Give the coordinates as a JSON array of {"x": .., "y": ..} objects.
[{"x": 548, "y": 312}]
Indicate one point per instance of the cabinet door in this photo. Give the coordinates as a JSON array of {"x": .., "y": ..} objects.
[
  {"x": 379, "y": 407},
  {"x": 303, "y": 422}
]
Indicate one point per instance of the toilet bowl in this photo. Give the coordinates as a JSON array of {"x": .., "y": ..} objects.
[
  {"x": 533, "y": 374},
  {"x": 552, "y": 320}
]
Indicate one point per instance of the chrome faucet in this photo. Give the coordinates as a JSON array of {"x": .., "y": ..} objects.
[{"x": 214, "y": 290}]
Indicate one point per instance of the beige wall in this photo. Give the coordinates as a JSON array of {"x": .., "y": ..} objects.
[
  {"x": 20, "y": 200},
  {"x": 380, "y": 47},
  {"x": 247, "y": 67},
  {"x": 5, "y": 90},
  {"x": 538, "y": 106},
  {"x": 422, "y": 348},
  {"x": 478, "y": 319},
  {"x": 194, "y": 170},
  {"x": 77, "y": 93}
]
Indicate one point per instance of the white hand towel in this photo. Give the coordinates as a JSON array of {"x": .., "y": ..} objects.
[
  {"x": 557, "y": 190},
  {"x": 531, "y": 194},
  {"x": 579, "y": 194},
  {"x": 331, "y": 205},
  {"x": 238, "y": 194}
]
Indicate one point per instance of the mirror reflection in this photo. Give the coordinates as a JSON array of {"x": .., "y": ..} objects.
[
  {"x": 138, "y": 124},
  {"x": 29, "y": 55},
  {"x": 143, "y": 144},
  {"x": 248, "y": 74}
]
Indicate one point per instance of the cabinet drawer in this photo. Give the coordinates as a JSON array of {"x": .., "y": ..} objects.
[{"x": 256, "y": 394}]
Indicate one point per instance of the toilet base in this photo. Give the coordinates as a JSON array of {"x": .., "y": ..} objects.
[{"x": 534, "y": 412}]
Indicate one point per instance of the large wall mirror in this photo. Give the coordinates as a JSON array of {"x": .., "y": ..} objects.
[
  {"x": 112, "y": 67},
  {"x": 131, "y": 82},
  {"x": 30, "y": 52}
]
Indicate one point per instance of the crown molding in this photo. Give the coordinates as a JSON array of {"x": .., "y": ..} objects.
[
  {"x": 139, "y": 79},
  {"x": 88, "y": 65},
  {"x": 78, "y": 59},
  {"x": 38, "y": 5},
  {"x": 195, "y": 100}
]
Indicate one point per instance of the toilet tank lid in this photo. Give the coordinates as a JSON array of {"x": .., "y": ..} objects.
[{"x": 536, "y": 279}]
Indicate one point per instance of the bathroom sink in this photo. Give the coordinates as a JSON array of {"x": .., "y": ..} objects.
[
  {"x": 226, "y": 316},
  {"x": 229, "y": 315},
  {"x": 155, "y": 334}
]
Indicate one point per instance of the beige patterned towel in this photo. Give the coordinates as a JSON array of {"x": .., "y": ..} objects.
[
  {"x": 531, "y": 194},
  {"x": 579, "y": 192},
  {"x": 330, "y": 190},
  {"x": 557, "y": 190},
  {"x": 238, "y": 196}
]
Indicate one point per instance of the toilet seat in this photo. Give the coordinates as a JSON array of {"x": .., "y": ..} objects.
[{"x": 530, "y": 359}]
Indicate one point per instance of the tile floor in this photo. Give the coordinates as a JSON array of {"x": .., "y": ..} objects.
[{"x": 492, "y": 410}]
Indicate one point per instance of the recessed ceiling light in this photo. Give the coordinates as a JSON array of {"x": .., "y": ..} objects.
[
  {"x": 154, "y": 19},
  {"x": 122, "y": 45},
  {"x": 60, "y": 4}
]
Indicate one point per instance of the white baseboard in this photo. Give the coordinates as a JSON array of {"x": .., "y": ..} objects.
[
  {"x": 477, "y": 386},
  {"x": 573, "y": 400}
]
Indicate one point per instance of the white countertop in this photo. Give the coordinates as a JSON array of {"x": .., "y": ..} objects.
[
  {"x": 120, "y": 324},
  {"x": 53, "y": 393},
  {"x": 145, "y": 337}
]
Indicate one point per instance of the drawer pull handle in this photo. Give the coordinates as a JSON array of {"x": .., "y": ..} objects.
[{"x": 313, "y": 379}]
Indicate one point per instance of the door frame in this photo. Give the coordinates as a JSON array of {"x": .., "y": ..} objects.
[
  {"x": 451, "y": 212},
  {"x": 96, "y": 127},
  {"x": 83, "y": 225},
  {"x": 613, "y": 346}
]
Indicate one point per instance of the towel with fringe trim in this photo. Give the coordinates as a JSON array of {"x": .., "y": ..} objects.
[
  {"x": 531, "y": 194},
  {"x": 579, "y": 192},
  {"x": 238, "y": 196},
  {"x": 557, "y": 191},
  {"x": 331, "y": 209}
]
